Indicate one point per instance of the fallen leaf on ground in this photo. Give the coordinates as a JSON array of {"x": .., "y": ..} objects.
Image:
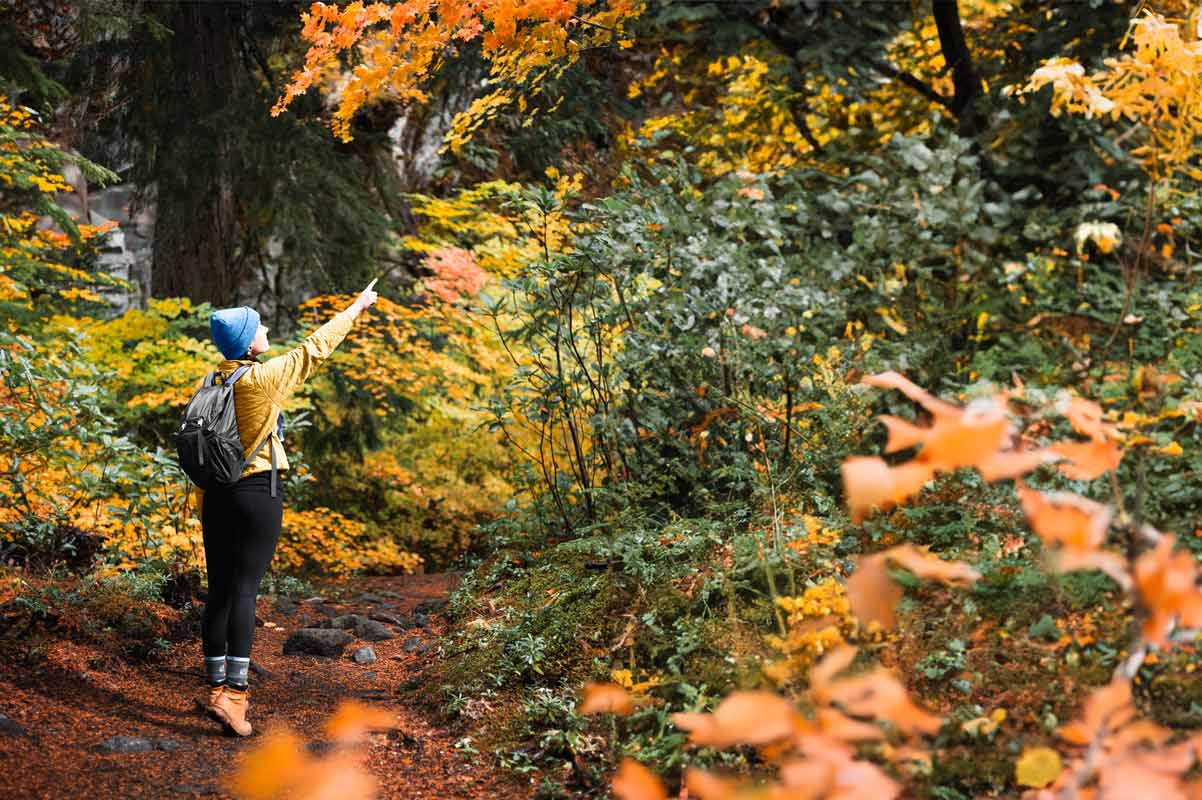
[{"x": 1037, "y": 767}]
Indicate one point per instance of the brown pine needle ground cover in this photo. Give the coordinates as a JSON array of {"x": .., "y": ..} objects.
[{"x": 61, "y": 710}]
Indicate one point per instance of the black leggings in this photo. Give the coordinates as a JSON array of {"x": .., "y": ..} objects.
[{"x": 241, "y": 527}]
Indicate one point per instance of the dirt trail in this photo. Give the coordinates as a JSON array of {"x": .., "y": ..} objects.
[{"x": 58, "y": 720}]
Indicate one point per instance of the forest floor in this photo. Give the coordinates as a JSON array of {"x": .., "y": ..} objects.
[{"x": 57, "y": 718}]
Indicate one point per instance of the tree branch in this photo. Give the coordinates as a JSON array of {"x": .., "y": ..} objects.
[
  {"x": 789, "y": 48},
  {"x": 908, "y": 79},
  {"x": 957, "y": 56}
]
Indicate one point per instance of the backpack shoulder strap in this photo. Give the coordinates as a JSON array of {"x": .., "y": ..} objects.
[
  {"x": 238, "y": 373},
  {"x": 279, "y": 429},
  {"x": 255, "y": 452},
  {"x": 211, "y": 378}
]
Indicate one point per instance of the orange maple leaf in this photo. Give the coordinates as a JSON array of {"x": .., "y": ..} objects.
[
  {"x": 868, "y": 483},
  {"x": 1088, "y": 460},
  {"x": 750, "y": 717},
  {"x": 880, "y": 695},
  {"x": 1065, "y": 519},
  {"x": 708, "y": 786},
  {"x": 633, "y": 781},
  {"x": 1168, "y": 586},
  {"x": 874, "y": 595},
  {"x": 895, "y": 380},
  {"x": 958, "y": 437},
  {"x": 353, "y": 720},
  {"x": 876, "y": 694},
  {"x": 833, "y": 773},
  {"x": 1013, "y": 463},
  {"x": 604, "y": 698},
  {"x": 1108, "y": 708},
  {"x": 1086, "y": 418}
]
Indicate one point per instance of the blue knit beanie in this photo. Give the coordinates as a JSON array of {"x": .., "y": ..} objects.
[{"x": 234, "y": 329}]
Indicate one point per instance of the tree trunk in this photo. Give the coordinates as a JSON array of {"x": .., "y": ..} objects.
[
  {"x": 965, "y": 79},
  {"x": 196, "y": 234}
]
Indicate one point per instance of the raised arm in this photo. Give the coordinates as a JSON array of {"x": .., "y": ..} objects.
[{"x": 281, "y": 376}]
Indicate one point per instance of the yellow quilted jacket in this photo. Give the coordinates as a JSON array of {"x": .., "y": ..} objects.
[{"x": 260, "y": 394}]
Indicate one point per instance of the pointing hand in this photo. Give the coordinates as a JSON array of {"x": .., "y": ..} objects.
[{"x": 367, "y": 297}]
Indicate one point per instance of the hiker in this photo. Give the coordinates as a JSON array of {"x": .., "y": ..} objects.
[{"x": 241, "y": 521}]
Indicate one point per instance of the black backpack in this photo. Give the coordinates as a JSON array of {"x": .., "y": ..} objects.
[{"x": 209, "y": 447}]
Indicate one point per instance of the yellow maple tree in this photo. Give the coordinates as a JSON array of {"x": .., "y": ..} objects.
[{"x": 1156, "y": 86}]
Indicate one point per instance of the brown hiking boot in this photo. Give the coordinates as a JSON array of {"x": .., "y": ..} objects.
[
  {"x": 229, "y": 708},
  {"x": 207, "y": 701}
]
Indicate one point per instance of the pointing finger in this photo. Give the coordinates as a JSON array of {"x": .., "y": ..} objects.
[{"x": 370, "y": 285}]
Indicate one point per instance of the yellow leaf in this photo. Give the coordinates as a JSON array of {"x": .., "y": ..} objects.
[
  {"x": 891, "y": 319},
  {"x": 1037, "y": 767}
]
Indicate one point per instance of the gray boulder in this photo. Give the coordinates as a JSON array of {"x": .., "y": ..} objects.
[
  {"x": 431, "y": 605},
  {"x": 125, "y": 744},
  {"x": 391, "y": 619},
  {"x": 328, "y": 642},
  {"x": 11, "y": 727},
  {"x": 364, "y": 655},
  {"x": 347, "y": 621},
  {"x": 373, "y": 631}
]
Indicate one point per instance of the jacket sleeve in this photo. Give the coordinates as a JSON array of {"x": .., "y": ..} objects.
[{"x": 281, "y": 376}]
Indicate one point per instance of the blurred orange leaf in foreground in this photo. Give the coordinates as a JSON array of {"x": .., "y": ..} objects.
[
  {"x": 604, "y": 698},
  {"x": 874, "y": 595},
  {"x": 633, "y": 781},
  {"x": 281, "y": 766},
  {"x": 353, "y": 721},
  {"x": 756, "y": 717},
  {"x": 1168, "y": 586}
]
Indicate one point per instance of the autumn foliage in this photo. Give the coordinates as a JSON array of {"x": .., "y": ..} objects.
[
  {"x": 402, "y": 45},
  {"x": 1118, "y": 754},
  {"x": 810, "y": 393},
  {"x": 1155, "y": 84},
  {"x": 815, "y": 756}
]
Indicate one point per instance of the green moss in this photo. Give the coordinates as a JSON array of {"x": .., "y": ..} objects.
[
  {"x": 1176, "y": 699},
  {"x": 974, "y": 772}
]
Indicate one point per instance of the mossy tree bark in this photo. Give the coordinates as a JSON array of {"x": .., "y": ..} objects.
[{"x": 196, "y": 251}]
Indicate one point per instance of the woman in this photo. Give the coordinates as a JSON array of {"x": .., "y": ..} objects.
[{"x": 241, "y": 522}]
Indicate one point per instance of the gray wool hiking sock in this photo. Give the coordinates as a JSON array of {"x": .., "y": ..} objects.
[
  {"x": 236, "y": 669},
  {"x": 215, "y": 669}
]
